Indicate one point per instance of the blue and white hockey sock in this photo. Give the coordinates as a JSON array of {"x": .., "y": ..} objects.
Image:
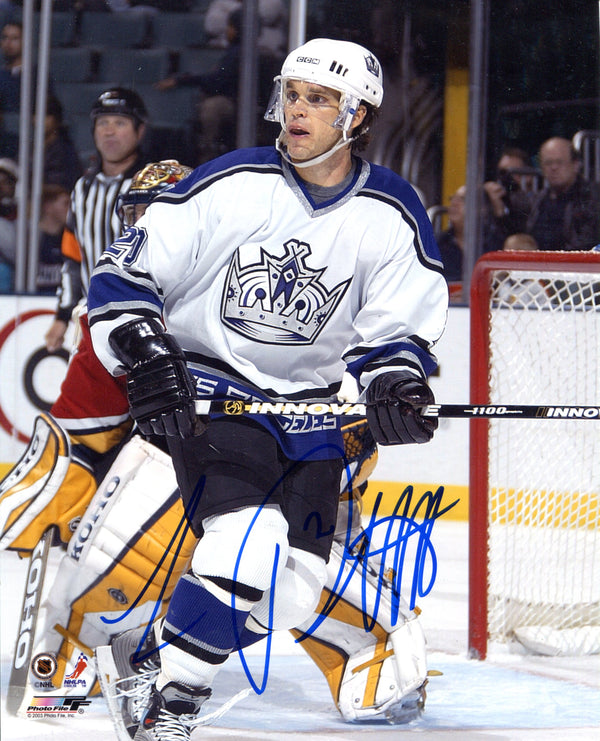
[{"x": 203, "y": 625}]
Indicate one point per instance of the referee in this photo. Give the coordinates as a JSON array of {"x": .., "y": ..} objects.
[{"x": 118, "y": 125}]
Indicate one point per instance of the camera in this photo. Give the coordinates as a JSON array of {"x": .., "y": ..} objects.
[{"x": 507, "y": 181}]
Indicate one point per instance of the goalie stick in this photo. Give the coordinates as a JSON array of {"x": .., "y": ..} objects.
[
  {"x": 237, "y": 407},
  {"x": 21, "y": 663}
]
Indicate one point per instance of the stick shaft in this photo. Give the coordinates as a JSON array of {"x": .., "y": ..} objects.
[
  {"x": 21, "y": 661},
  {"x": 349, "y": 409}
]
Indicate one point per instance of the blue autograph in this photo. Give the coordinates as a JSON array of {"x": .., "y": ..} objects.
[
  {"x": 386, "y": 563},
  {"x": 394, "y": 532}
]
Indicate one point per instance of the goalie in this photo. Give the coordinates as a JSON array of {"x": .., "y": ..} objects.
[
  {"x": 112, "y": 556},
  {"x": 45, "y": 495}
]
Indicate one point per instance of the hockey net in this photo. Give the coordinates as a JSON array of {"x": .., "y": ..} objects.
[{"x": 534, "y": 550}]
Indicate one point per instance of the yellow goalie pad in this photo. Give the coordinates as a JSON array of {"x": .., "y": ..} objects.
[
  {"x": 370, "y": 646},
  {"x": 123, "y": 561},
  {"x": 44, "y": 489},
  {"x": 361, "y": 454}
]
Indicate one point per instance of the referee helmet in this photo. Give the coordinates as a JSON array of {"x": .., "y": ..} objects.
[{"x": 119, "y": 101}]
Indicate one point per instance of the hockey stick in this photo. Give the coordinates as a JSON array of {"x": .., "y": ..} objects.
[
  {"x": 236, "y": 407},
  {"x": 21, "y": 663}
]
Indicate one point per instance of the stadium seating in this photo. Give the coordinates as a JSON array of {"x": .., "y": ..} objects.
[
  {"x": 198, "y": 61},
  {"x": 77, "y": 98},
  {"x": 178, "y": 30},
  {"x": 92, "y": 51},
  {"x": 113, "y": 30},
  {"x": 133, "y": 67},
  {"x": 72, "y": 64}
]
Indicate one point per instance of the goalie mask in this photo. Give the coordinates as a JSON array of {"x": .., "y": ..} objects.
[
  {"x": 343, "y": 66},
  {"x": 146, "y": 184}
]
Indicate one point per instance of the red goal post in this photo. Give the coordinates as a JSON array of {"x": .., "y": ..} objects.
[{"x": 534, "y": 542}]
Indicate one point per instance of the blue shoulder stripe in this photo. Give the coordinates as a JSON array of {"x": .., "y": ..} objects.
[
  {"x": 388, "y": 187},
  {"x": 255, "y": 159}
]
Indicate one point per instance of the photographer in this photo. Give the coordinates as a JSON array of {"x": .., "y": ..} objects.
[{"x": 508, "y": 197}]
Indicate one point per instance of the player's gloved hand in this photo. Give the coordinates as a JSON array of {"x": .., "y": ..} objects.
[
  {"x": 393, "y": 402},
  {"x": 160, "y": 389}
]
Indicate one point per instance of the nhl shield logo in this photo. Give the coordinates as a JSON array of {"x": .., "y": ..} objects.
[{"x": 279, "y": 300}]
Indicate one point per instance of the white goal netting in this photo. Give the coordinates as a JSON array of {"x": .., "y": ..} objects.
[{"x": 544, "y": 475}]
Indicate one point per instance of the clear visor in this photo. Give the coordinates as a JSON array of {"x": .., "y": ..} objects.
[{"x": 348, "y": 105}]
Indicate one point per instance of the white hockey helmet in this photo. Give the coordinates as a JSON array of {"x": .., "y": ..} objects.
[{"x": 341, "y": 65}]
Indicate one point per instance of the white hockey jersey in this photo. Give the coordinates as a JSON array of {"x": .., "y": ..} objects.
[{"x": 272, "y": 296}]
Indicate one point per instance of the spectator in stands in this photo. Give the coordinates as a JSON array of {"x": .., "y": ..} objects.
[
  {"x": 10, "y": 88},
  {"x": 54, "y": 210},
  {"x": 11, "y": 47},
  {"x": 61, "y": 161},
  {"x": 273, "y": 33},
  {"x": 509, "y": 197},
  {"x": 518, "y": 290},
  {"x": 520, "y": 243},
  {"x": 8, "y": 227},
  {"x": 11, "y": 39},
  {"x": 452, "y": 241},
  {"x": 219, "y": 89},
  {"x": 565, "y": 215}
]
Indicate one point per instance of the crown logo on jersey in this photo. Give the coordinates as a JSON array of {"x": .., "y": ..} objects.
[{"x": 279, "y": 300}]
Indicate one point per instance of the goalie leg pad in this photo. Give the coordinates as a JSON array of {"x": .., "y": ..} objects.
[
  {"x": 125, "y": 557},
  {"x": 388, "y": 682},
  {"x": 44, "y": 488},
  {"x": 375, "y": 663}
]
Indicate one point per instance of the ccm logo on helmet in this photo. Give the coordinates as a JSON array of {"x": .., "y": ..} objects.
[{"x": 308, "y": 60}]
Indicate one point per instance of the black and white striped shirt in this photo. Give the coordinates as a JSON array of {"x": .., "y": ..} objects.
[{"x": 92, "y": 226}]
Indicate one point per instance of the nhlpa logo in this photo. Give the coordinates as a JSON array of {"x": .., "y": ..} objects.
[
  {"x": 73, "y": 679},
  {"x": 279, "y": 301}
]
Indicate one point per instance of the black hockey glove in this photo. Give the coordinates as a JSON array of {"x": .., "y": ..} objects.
[
  {"x": 393, "y": 402},
  {"x": 160, "y": 389}
]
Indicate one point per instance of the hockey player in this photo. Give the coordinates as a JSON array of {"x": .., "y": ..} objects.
[
  {"x": 372, "y": 674},
  {"x": 263, "y": 276}
]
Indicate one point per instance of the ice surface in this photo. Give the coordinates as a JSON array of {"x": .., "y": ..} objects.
[{"x": 506, "y": 697}]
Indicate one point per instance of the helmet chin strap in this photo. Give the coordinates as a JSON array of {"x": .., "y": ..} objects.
[{"x": 281, "y": 148}]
